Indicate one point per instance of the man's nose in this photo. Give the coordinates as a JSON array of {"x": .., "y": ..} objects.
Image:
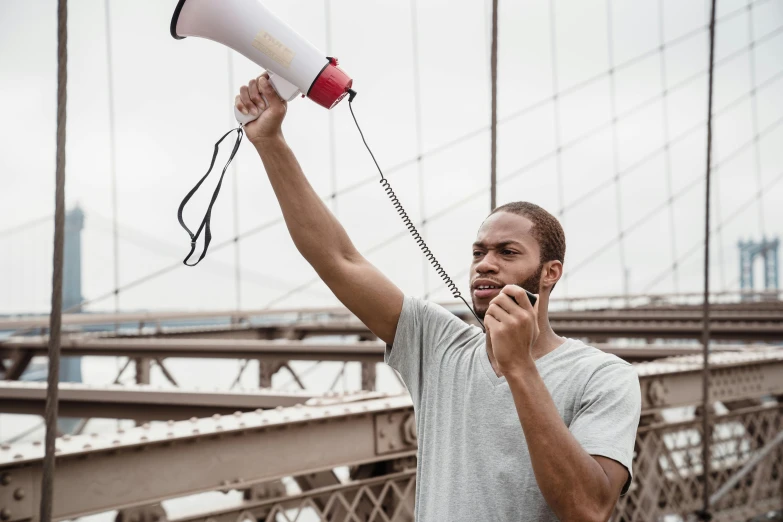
[{"x": 487, "y": 264}]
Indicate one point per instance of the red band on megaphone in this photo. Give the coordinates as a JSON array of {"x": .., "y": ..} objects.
[{"x": 331, "y": 86}]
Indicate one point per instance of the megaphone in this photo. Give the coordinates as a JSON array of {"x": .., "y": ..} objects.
[{"x": 295, "y": 66}]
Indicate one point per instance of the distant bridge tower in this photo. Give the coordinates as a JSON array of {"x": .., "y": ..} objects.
[
  {"x": 71, "y": 367},
  {"x": 72, "y": 269},
  {"x": 768, "y": 250}
]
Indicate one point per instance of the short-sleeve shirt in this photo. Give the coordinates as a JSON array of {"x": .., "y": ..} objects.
[{"x": 473, "y": 461}]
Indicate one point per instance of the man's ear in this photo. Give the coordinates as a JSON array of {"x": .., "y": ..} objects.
[{"x": 551, "y": 274}]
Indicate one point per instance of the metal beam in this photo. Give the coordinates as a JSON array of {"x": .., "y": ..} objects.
[
  {"x": 676, "y": 381},
  {"x": 361, "y": 351},
  {"x": 664, "y": 383},
  {"x": 768, "y": 331},
  {"x": 364, "y": 351},
  {"x": 139, "y": 402},
  {"x": 95, "y": 474},
  {"x": 771, "y": 300},
  {"x": 759, "y": 331}
]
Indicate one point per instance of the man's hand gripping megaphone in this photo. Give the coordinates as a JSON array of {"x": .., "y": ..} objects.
[{"x": 260, "y": 109}]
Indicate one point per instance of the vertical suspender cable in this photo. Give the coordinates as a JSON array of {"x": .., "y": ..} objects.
[
  {"x": 235, "y": 190},
  {"x": 616, "y": 150},
  {"x": 425, "y": 267},
  {"x": 705, "y": 384},
  {"x": 332, "y": 126},
  {"x": 55, "y": 319},
  {"x": 755, "y": 115},
  {"x": 494, "y": 110},
  {"x": 667, "y": 150},
  {"x": 556, "y": 114},
  {"x": 112, "y": 160}
]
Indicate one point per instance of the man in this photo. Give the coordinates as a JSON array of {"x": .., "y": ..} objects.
[{"x": 515, "y": 424}]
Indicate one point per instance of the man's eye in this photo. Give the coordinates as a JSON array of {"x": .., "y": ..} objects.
[
  {"x": 476, "y": 253},
  {"x": 507, "y": 252}
]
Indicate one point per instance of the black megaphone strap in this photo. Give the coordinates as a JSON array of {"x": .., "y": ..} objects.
[{"x": 208, "y": 216}]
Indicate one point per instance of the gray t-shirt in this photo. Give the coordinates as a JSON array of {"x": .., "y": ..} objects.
[{"x": 473, "y": 462}]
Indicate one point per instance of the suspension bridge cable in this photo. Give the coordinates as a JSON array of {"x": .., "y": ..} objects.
[
  {"x": 330, "y": 116},
  {"x": 598, "y": 188},
  {"x": 671, "y": 199},
  {"x": 112, "y": 156},
  {"x": 542, "y": 102},
  {"x": 755, "y": 115},
  {"x": 493, "y": 111},
  {"x": 626, "y": 64},
  {"x": 425, "y": 266},
  {"x": 735, "y": 153},
  {"x": 464, "y": 200},
  {"x": 556, "y": 104},
  {"x": 667, "y": 152},
  {"x": 615, "y": 147},
  {"x": 706, "y": 435},
  {"x": 475, "y": 133},
  {"x": 157, "y": 246},
  {"x": 695, "y": 248},
  {"x": 695, "y": 183},
  {"x": 556, "y": 122},
  {"x": 470, "y": 197},
  {"x": 234, "y": 189},
  {"x": 725, "y": 60},
  {"x": 24, "y": 226},
  {"x": 55, "y": 320}
]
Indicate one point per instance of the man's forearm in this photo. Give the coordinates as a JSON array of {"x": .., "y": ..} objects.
[
  {"x": 317, "y": 234},
  {"x": 574, "y": 485}
]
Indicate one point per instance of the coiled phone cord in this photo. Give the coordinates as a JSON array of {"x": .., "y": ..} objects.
[{"x": 407, "y": 220}]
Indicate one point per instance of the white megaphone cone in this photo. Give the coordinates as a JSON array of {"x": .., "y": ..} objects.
[{"x": 294, "y": 65}]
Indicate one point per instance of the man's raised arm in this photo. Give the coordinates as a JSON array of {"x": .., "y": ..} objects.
[{"x": 317, "y": 234}]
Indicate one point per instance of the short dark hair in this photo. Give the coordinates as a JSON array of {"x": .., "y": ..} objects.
[{"x": 546, "y": 229}]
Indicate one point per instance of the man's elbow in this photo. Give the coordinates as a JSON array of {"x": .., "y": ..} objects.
[
  {"x": 588, "y": 514},
  {"x": 596, "y": 508}
]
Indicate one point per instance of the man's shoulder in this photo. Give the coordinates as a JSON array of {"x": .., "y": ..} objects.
[
  {"x": 432, "y": 314},
  {"x": 591, "y": 362},
  {"x": 588, "y": 355}
]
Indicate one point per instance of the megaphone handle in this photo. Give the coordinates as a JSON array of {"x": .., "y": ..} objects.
[{"x": 244, "y": 119}]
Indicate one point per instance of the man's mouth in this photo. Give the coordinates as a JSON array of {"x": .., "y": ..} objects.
[{"x": 484, "y": 291}]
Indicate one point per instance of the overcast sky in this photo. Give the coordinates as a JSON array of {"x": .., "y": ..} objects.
[{"x": 172, "y": 100}]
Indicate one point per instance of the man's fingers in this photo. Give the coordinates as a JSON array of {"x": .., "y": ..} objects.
[
  {"x": 268, "y": 91},
  {"x": 504, "y": 301},
  {"x": 497, "y": 312},
  {"x": 239, "y": 105},
  {"x": 255, "y": 96},
  {"x": 244, "y": 95},
  {"x": 519, "y": 295}
]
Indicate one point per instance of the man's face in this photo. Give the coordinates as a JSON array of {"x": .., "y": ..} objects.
[{"x": 505, "y": 252}]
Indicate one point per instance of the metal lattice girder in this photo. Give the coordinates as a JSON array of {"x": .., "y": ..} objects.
[
  {"x": 676, "y": 381},
  {"x": 141, "y": 402},
  {"x": 154, "y": 462},
  {"x": 391, "y": 497},
  {"x": 668, "y": 467}
]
